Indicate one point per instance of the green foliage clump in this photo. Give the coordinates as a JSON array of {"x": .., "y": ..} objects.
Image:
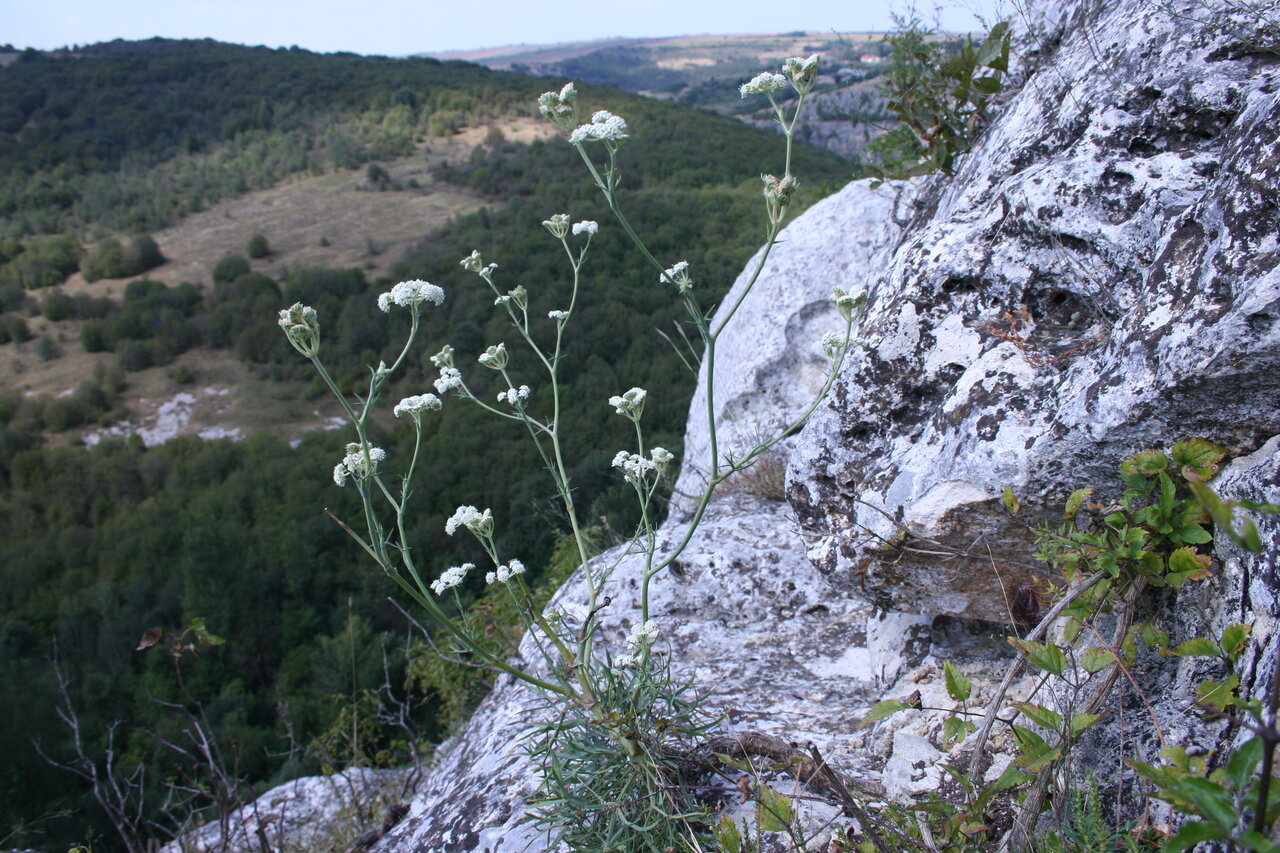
[
  {"x": 230, "y": 268},
  {"x": 39, "y": 261},
  {"x": 115, "y": 259},
  {"x": 941, "y": 94},
  {"x": 258, "y": 247}
]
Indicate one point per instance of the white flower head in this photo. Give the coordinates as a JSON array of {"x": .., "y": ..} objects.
[
  {"x": 444, "y": 358},
  {"x": 301, "y": 326},
  {"x": 514, "y": 396},
  {"x": 630, "y": 404},
  {"x": 450, "y": 378},
  {"x": 762, "y": 84},
  {"x": 640, "y": 638},
  {"x": 802, "y": 73},
  {"x": 558, "y": 225},
  {"x": 505, "y": 573},
  {"x": 479, "y": 523},
  {"x": 604, "y": 127},
  {"x": 359, "y": 462},
  {"x": 495, "y": 357},
  {"x": 410, "y": 294},
  {"x": 677, "y": 274},
  {"x": 779, "y": 189},
  {"x": 847, "y": 302},
  {"x": 560, "y": 107},
  {"x": 558, "y": 316},
  {"x": 417, "y": 405},
  {"x": 451, "y": 577},
  {"x": 519, "y": 296},
  {"x": 661, "y": 457},
  {"x": 589, "y": 226},
  {"x": 473, "y": 262},
  {"x": 633, "y": 466}
]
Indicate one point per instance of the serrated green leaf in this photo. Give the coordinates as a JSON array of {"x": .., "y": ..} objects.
[
  {"x": 1198, "y": 647},
  {"x": 1192, "y": 534},
  {"x": 1045, "y": 656},
  {"x": 1233, "y": 639},
  {"x": 1185, "y": 564},
  {"x": 1036, "y": 763},
  {"x": 1218, "y": 694},
  {"x": 958, "y": 686},
  {"x": 955, "y": 730},
  {"x": 1010, "y": 501},
  {"x": 1040, "y": 715},
  {"x": 1096, "y": 659},
  {"x": 882, "y": 709},
  {"x": 1081, "y": 723},
  {"x": 1192, "y": 833},
  {"x": 1243, "y": 762},
  {"x": 1200, "y": 455},
  {"x": 728, "y": 836},
  {"x": 1029, "y": 742},
  {"x": 1145, "y": 462},
  {"x": 1010, "y": 778},
  {"x": 773, "y": 810},
  {"x": 1211, "y": 799},
  {"x": 1075, "y": 502}
]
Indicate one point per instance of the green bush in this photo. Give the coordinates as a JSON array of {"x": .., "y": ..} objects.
[
  {"x": 229, "y": 269},
  {"x": 114, "y": 259},
  {"x": 258, "y": 247},
  {"x": 940, "y": 96}
]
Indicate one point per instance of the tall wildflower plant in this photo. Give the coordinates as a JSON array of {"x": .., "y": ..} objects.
[{"x": 610, "y": 758}]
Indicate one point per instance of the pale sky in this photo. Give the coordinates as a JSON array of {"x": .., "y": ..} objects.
[{"x": 401, "y": 27}]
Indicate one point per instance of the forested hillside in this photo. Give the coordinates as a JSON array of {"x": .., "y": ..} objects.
[{"x": 99, "y": 546}]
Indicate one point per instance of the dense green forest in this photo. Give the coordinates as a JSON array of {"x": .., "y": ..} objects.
[{"x": 99, "y": 546}]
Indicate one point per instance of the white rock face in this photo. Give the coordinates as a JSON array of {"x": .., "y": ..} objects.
[{"x": 1100, "y": 276}]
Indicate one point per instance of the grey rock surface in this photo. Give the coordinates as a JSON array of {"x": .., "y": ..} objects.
[{"x": 1100, "y": 276}]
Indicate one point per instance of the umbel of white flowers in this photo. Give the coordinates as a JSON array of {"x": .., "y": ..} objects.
[
  {"x": 360, "y": 463},
  {"x": 630, "y": 404}
]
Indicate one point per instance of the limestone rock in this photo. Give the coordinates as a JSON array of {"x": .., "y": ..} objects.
[{"x": 1099, "y": 277}]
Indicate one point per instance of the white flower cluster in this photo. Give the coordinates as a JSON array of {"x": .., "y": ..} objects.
[
  {"x": 518, "y": 295},
  {"x": 833, "y": 345},
  {"x": 605, "y": 127},
  {"x": 630, "y": 404},
  {"x": 495, "y": 357},
  {"x": 677, "y": 274},
  {"x": 560, "y": 107},
  {"x": 450, "y": 378},
  {"x": 802, "y": 73},
  {"x": 473, "y": 262},
  {"x": 444, "y": 358},
  {"x": 762, "y": 84},
  {"x": 847, "y": 302},
  {"x": 479, "y": 523},
  {"x": 588, "y": 226},
  {"x": 558, "y": 315},
  {"x": 558, "y": 225},
  {"x": 505, "y": 573},
  {"x": 513, "y": 396},
  {"x": 635, "y": 467},
  {"x": 451, "y": 577},
  {"x": 411, "y": 293},
  {"x": 640, "y": 638},
  {"x": 357, "y": 464},
  {"x": 417, "y": 405},
  {"x": 302, "y": 327}
]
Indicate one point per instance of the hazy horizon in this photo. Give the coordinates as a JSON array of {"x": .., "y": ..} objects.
[{"x": 401, "y": 28}]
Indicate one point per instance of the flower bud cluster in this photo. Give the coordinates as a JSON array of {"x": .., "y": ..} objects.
[
  {"x": 505, "y": 573},
  {"x": 762, "y": 84},
  {"x": 409, "y": 294},
  {"x": 558, "y": 316},
  {"x": 359, "y": 463},
  {"x": 561, "y": 108},
  {"x": 604, "y": 127},
  {"x": 800, "y": 73},
  {"x": 479, "y": 523},
  {"x": 518, "y": 295},
  {"x": 473, "y": 262},
  {"x": 589, "y": 226},
  {"x": 444, "y": 358},
  {"x": 495, "y": 357},
  {"x": 302, "y": 327},
  {"x": 630, "y": 404},
  {"x": 451, "y": 577},
  {"x": 558, "y": 225}
]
